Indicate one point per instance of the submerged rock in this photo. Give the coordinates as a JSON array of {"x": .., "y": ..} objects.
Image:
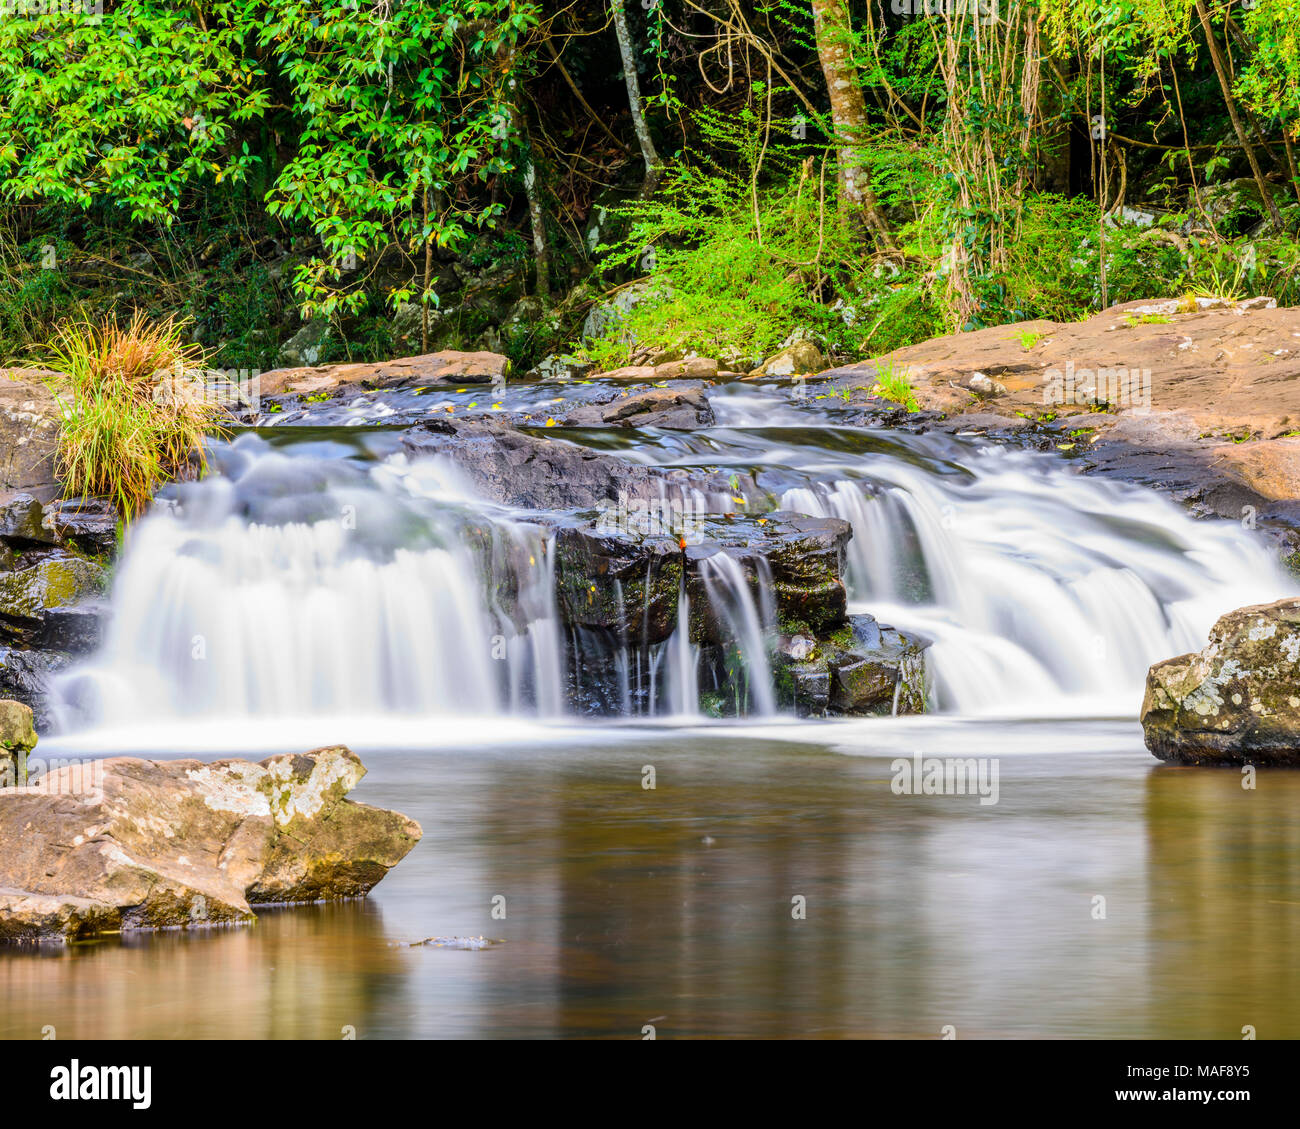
[
  {"x": 1237, "y": 701},
  {"x": 126, "y": 844}
]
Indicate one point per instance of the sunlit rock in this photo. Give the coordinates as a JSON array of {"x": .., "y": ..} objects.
[
  {"x": 126, "y": 844},
  {"x": 1237, "y": 701}
]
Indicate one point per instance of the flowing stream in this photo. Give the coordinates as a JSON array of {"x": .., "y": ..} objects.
[
  {"x": 296, "y": 583},
  {"x": 320, "y": 587}
]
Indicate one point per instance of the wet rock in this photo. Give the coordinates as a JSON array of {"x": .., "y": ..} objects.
[
  {"x": 1237, "y": 701},
  {"x": 620, "y": 584},
  {"x": 25, "y": 676},
  {"x": 126, "y": 844},
  {"x": 87, "y": 524},
  {"x": 55, "y": 604},
  {"x": 534, "y": 471},
  {"x": 661, "y": 407},
  {"x": 863, "y": 669},
  {"x": 17, "y": 739}
]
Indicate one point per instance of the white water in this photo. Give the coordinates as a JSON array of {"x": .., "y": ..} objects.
[
  {"x": 290, "y": 589},
  {"x": 216, "y": 616}
]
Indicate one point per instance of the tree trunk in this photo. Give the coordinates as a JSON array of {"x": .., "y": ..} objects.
[
  {"x": 1221, "y": 69},
  {"x": 849, "y": 116},
  {"x": 653, "y": 166}
]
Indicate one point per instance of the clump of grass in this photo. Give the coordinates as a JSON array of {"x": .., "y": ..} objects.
[
  {"x": 134, "y": 415},
  {"x": 1028, "y": 338},
  {"x": 1147, "y": 319},
  {"x": 894, "y": 383}
]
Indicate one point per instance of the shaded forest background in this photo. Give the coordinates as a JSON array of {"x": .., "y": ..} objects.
[{"x": 309, "y": 182}]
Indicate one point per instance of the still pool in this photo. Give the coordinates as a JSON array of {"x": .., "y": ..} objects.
[{"x": 770, "y": 884}]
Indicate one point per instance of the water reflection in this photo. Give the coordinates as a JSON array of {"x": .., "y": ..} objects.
[{"x": 627, "y": 906}]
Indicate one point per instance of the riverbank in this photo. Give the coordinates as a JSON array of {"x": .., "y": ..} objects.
[{"x": 1202, "y": 406}]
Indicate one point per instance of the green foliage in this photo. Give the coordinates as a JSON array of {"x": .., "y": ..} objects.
[
  {"x": 390, "y": 109},
  {"x": 744, "y": 244},
  {"x": 894, "y": 382},
  {"x": 1270, "y": 82}
]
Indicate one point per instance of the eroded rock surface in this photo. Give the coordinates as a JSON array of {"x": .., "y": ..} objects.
[
  {"x": 1237, "y": 701},
  {"x": 125, "y": 844}
]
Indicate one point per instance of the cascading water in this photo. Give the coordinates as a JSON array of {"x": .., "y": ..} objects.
[
  {"x": 292, "y": 586},
  {"x": 298, "y": 583},
  {"x": 1045, "y": 593}
]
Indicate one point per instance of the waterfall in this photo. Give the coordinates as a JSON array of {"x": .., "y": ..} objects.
[
  {"x": 1040, "y": 590},
  {"x": 322, "y": 580},
  {"x": 683, "y": 690},
  {"x": 745, "y": 624},
  {"x": 409, "y": 599}
]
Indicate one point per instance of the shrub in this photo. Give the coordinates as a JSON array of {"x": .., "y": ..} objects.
[{"x": 127, "y": 428}]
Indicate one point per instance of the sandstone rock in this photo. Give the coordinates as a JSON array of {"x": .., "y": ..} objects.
[
  {"x": 630, "y": 372},
  {"x": 54, "y": 604},
  {"x": 692, "y": 368},
  {"x": 126, "y": 844},
  {"x": 447, "y": 367},
  {"x": 1237, "y": 701},
  {"x": 29, "y": 434},
  {"x": 17, "y": 739},
  {"x": 1271, "y": 469}
]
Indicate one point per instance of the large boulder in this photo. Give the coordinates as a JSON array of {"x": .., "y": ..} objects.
[
  {"x": 1237, "y": 701},
  {"x": 126, "y": 844}
]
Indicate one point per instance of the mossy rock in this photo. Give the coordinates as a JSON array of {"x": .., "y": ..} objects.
[{"x": 53, "y": 604}]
